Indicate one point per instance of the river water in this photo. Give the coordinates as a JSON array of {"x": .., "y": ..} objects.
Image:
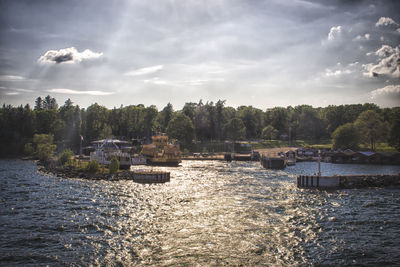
[{"x": 212, "y": 213}]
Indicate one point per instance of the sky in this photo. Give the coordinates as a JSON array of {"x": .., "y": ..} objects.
[{"x": 259, "y": 53}]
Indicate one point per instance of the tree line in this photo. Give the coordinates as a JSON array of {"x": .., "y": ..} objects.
[{"x": 348, "y": 125}]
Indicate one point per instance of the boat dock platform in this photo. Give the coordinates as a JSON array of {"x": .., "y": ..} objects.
[{"x": 150, "y": 176}]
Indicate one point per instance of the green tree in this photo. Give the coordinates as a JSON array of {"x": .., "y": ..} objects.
[
  {"x": 394, "y": 132},
  {"x": 43, "y": 139},
  {"x": 278, "y": 118},
  {"x": 46, "y": 121},
  {"x": 114, "y": 165},
  {"x": 39, "y": 103},
  {"x": 253, "y": 120},
  {"x": 70, "y": 129},
  {"x": 96, "y": 122},
  {"x": 181, "y": 128},
  {"x": 220, "y": 120},
  {"x": 189, "y": 109},
  {"x": 333, "y": 116},
  {"x": 44, "y": 146},
  {"x": 371, "y": 127},
  {"x": 149, "y": 118},
  {"x": 50, "y": 103},
  {"x": 269, "y": 133},
  {"x": 235, "y": 129},
  {"x": 310, "y": 124},
  {"x": 202, "y": 122},
  {"x": 346, "y": 136},
  {"x": 165, "y": 116}
]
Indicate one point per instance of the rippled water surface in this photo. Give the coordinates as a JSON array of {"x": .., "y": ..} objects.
[{"x": 211, "y": 213}]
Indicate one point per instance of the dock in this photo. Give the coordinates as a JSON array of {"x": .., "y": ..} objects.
[
  {"x": 150, "y": 176},
  {"x": 347, "y": 181}
]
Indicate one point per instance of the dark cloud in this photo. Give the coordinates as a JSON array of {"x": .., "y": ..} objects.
[
  {"x": 63, "y": 58},
  {"x": 68, "y": 55}
]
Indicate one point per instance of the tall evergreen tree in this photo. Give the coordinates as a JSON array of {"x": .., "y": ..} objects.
[{"x": 38, "y": 103}]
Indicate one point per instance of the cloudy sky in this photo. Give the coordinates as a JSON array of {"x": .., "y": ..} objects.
[{"x": 259, "y": 53}]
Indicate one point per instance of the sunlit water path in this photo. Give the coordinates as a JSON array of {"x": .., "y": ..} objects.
[{"x": 211, "y": 213}]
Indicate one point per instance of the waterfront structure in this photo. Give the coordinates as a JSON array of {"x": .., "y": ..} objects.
[{"x": 106, "y": 149}]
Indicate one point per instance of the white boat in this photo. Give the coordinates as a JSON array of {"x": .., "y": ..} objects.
[{"x": 106, "y": 149}]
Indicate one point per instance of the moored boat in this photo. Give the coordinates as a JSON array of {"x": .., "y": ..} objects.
[{"x": 162, "y": 152}]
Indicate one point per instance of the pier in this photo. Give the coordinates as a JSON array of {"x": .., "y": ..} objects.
[
  {"x": 347, "y": 181},
  {"x": 150, "y": 177}
]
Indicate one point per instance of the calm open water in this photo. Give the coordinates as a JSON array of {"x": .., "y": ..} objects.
[{"x": 211, "y": 213}]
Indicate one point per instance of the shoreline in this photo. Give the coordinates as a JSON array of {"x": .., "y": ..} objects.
[{"x": 136, "y": 176}]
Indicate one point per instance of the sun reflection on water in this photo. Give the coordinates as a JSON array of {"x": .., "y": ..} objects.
[{"x": 210, "y": 213}]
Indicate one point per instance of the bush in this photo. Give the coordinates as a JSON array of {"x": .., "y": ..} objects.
[
  {"x": 114, "y": 165},
  {"x": 93, "y": 166},
  {"x": 28, "y": 149},
  {"x": 45, "y": 151},
  {"x": 65, "y": 157}
]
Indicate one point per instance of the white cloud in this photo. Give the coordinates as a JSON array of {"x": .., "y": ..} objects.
[
  {"x": 12, "y": 93},
  {"x": 330, "y": 73},
  {"x": 389, "y": 63},
  {"x": 385, "y": 21},
  {"x": 156, "y": 80},
  {"x": 23, "y": 90},
  {"x": 68, "y": 55},
  {"x": 190, "y": 82},
  {"x": 387, "y": 90},
  {"x": 334, "y": 32},
  {"x": 197, "y": 82},
  {"x": 76, "y": 92},
  {"x": 16, "y": 89},
  {"x": 11, "y": 78},
  {"x": 366, "y": 36},
  {"x": 340, "y": 70},
  {"x": 144, "y": 71}
]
